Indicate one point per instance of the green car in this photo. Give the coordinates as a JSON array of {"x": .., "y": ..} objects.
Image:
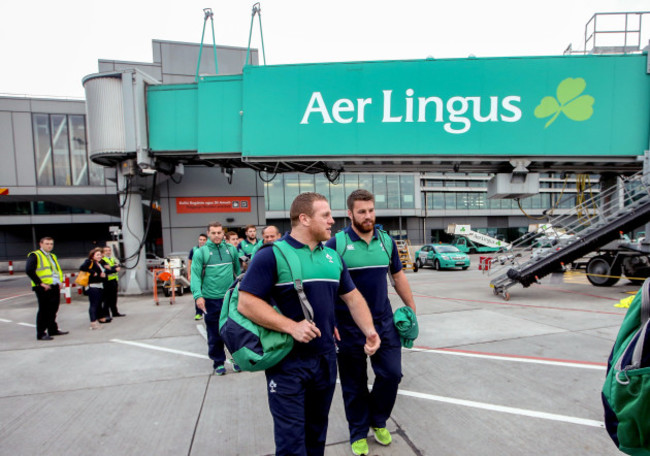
[{"x": 441, "y": 256}]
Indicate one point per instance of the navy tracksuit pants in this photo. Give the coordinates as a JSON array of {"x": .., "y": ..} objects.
[
  {"x": 365, "y": 409},
  {"x": 215, "y": 342},
  {"x": 300, "y": 391}
]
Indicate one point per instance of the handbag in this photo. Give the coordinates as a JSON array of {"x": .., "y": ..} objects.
[{"x": 82, "y": 278}]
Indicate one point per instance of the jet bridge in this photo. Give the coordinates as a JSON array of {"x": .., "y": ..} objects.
[{"x": 588, "y": 227}]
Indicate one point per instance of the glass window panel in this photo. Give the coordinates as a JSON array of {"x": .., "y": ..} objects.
[
  {"x": 438, "y": 200},
  {"x": 62, "y": 174},
  {"x": 306, "y": 183},
  {"x": 275, "y": 193},
  {"x": 461, "y": 200},
  {"x": 365, "y": 182},
  {"x": 43, "y": 149},
  {"x": 291, "y": 189},
  {"x": 96, "y": 173},
  {"x": 379, "y": 189},
  {"x": 337, "y": 195},
  {"x": 351, "y": 183},
  {"x": 322, "y": 186},
  {"x": 450, "y": 201},
  {"x": 78, "y": 154},
  {"x": 15, "y": 208},
  {"x": 392, "y": 187},
  {"x": 407, "y": 191}
]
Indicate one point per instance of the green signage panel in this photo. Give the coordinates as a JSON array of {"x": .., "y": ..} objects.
[
  {"x": 173, "y": 117},
  {"x": 203, "y": 117},
  {"x": 538, "y": 106}
]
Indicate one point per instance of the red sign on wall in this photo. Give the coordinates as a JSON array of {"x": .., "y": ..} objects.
[{"x": 196, "y": 205}]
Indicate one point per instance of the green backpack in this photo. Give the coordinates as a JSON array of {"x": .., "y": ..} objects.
[
  {"x": 626, "y": 392},
  {"x": 254, "y": 347}
]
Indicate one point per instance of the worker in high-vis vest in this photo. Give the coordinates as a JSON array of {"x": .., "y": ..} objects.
[
  {"x": 44, "y": 270},
  {"x": 112, "y": 267}
]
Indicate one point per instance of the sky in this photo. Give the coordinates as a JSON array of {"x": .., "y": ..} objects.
[{"x": 47, "y": 47}]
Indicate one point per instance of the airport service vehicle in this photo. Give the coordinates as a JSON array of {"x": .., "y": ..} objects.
[{"x": 469, "y": 241}]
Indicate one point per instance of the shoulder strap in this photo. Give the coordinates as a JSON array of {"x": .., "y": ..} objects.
[
  {"x": 644, "y": 316},
  {"x": 381, "y": 234},
  {"x": 295, "y": 269},
  {"x": 341, "y": 243},
  {"x": 205, "y": 263}
]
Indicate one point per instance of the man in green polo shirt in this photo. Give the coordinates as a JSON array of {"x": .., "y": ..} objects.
[
  {"x": 248, "y": 244},
  {"x": 370, "y": 255},
  {"x": 301, "y": 386}
]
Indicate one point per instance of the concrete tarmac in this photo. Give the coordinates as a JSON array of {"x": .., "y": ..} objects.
[{"x": 487, "y": 377}]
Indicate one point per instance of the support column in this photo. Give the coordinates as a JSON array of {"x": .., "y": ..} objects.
[{"x": 135, "y": 279}]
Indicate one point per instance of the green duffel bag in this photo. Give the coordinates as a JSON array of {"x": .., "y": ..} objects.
[{"x": 626, "y": 392}]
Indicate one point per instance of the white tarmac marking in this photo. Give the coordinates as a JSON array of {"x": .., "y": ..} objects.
[
  {"x": 26, "y": 324},
  {"x": 202, "y": 331},
  {"x": 430, "y": 397},
  {"x": 503, "y": 409},
  {"x": 5, "y": 321},
  {"x": 154, "y": 347},
  {"x": 510, "y": 358},
  {"x": 16, "y": 296}
]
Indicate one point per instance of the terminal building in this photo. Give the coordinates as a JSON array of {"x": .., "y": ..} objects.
[{"x": 52, "y": 188}]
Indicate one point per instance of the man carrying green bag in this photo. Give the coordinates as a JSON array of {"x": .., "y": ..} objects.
[{"x": 626, "y": 392}]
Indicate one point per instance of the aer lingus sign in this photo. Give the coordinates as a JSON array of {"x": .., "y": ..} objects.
[{"x": 555, "y": 106}]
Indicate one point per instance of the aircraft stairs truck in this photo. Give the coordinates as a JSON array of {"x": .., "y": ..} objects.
[
  {"x": 469, "y": 241},
  {"x": 595, "y": 225}
]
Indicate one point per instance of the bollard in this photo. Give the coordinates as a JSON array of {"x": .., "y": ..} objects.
[
  {"x": 11, "y": 267},
  {"x": 68, "y": 297}
]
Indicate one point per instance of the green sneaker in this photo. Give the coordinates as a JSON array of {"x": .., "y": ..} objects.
[
  {"x": 198, "y": 317},
  {"x": 360, "y": 447},
  {"x": 220, "y": 370},
  {"x": 382, "y": 436}
]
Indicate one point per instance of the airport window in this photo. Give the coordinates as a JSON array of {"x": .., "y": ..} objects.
[
  {"x": 60, "y": 149},
  {"x": 392, "y": 183},
  {"x": 407, "y": 191},
  {"x": 323, "y": 186},
  {"x": 450, "y": 201},
  {"x": 306, "y": 183},
  {"x": 379, "y": 189},
  {"x": 96, "y": 173},
  {"x": 337, "y": 194},
  {"x": 291, "y": 189},
  {"x": 274, "y": 193},
  {"x": 78, "y": 156},
  {"x": 48, "y": 208},
  {"x": 43, "y": 149},
  {"x": 17, "y": 208},
  {"x": 351, "y": 183},
  {"x": 365, "y": 182}
]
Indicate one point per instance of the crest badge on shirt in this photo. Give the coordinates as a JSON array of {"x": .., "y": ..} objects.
[{"x": 327, "y": 255}]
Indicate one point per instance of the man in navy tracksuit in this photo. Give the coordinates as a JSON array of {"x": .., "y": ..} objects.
[
  {"x": 369, "y": 254},
  {"x": 301, "y": 386}
]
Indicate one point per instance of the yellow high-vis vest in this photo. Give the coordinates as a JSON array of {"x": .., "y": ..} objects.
[
  {"x": 112, "y": 262},
  {"x": 44, "y": 269}
]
